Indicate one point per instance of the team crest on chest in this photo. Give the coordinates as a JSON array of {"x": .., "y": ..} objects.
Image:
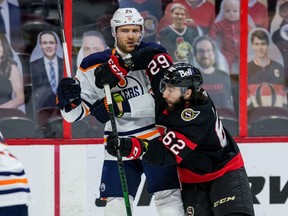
[
  {"x": 189, "y": 114},
  {"x": 130, "y": 87}
]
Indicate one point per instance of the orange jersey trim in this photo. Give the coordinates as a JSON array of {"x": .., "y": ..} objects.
[
  {"x": 89, "y": 68},
  {"x": 13, "y": 181}
]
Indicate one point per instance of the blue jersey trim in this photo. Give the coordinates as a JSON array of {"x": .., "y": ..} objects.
[
  {"x": 27, "y": 190},
  {"x": 12, "y": 173}
]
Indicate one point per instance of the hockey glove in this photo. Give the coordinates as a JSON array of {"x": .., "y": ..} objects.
[
  {"x": 103, "y": 75},
  {"x": 117, "y": 66},
  {"x": 129, "y": 147},
  {"x": 100, "y": 108},
  {"x": 68, "y": 94},
  {"x": 111, "y": 72}
]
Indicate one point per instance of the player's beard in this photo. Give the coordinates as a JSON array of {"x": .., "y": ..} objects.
[{"x": 180, "y": 103}]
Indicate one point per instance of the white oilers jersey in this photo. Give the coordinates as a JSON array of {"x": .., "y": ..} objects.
[{"x": 134, "y": 87}]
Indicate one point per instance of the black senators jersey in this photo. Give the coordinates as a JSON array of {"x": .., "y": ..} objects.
[{"x": 193, "y": 138}]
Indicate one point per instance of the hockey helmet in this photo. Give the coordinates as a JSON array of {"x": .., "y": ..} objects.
[
  {"x": 126, "y": 16},
  {"x": 182, "y": 75}
]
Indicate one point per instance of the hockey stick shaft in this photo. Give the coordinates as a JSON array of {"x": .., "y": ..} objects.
[
  {"x": 64, "y": 44},
  {"x": 119, "y": 158}
]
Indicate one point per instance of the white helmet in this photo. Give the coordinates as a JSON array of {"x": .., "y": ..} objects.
[{"x": 126, "y": 16}]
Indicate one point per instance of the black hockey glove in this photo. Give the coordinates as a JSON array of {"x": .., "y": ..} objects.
[
  {"x": 111, "y": 72},
  {"x": 68, "y": 94},
  {"x": 103, "y": 75},
  {"x": 100, "y": 108},
  {"x": 129, "y": 147}
]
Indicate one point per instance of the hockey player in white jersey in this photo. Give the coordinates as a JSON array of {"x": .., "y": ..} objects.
[
  {"x": 15, "y": 194},
  {"x": 134, "y": 109}
]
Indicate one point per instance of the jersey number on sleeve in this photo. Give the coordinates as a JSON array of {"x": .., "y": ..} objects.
[
  {"x": 175, "y": 145},
  {"x": 159, "y": 62},
  {"x": 220, "y": 131}
]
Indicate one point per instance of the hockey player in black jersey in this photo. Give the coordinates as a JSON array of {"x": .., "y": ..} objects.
[{"x": 210, "y": 165}]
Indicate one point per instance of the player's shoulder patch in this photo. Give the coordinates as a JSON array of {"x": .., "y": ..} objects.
[{"x": 189, "y": 114}]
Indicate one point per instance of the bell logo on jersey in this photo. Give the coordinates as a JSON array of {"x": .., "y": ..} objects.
[{"x": 189, "y": 114}]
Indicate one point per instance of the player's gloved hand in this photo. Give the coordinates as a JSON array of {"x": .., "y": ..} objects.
[
  {"x": 103, "y": 75},
  {"x": 111, "y": 72},
  {"x": 117, "y": 66},
  {"x": 68, "y": 94},
  {"x": 129, "y": 147},
  {"x": 100, "y": 108}
]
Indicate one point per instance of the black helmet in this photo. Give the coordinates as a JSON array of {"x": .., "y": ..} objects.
[{"x": 183, "y": 75}]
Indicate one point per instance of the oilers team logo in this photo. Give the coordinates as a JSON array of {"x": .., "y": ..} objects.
[
  {"x": 189, "y": 114},
  {"x": 130, "y": 87},
  {"x": 102, "y": 187},
  {"x": 122, "y": 83}
]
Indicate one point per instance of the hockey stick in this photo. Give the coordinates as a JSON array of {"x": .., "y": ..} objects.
[
  {"x": 64, "y": 44},
  {"x": 119, "y": 158}
]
